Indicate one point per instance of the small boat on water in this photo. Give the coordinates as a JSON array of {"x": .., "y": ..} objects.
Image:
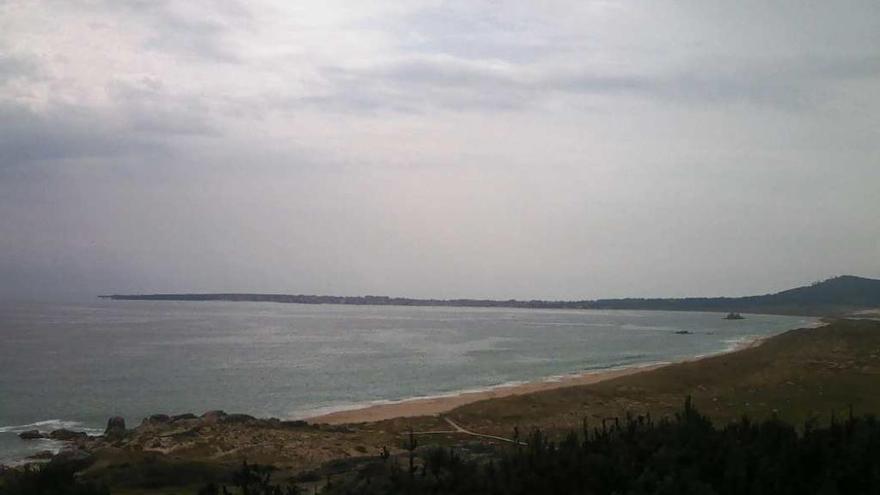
[{"x": 734, "y": 316}]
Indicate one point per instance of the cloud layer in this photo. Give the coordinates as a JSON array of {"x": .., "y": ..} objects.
[{"x": 472, "y": 149}]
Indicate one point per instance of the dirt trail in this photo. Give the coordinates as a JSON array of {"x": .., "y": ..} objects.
[{"x": 460, "y": 429}]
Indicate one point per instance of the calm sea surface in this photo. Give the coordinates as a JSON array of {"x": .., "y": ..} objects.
[{"x": 66, "y": 365}]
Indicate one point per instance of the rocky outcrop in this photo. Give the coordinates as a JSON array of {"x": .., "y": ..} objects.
[
  {"x": 157, "y": 419},
  {"x": 115, "y": 427},
  {"x": 67, "y": 435},
  {"x": 213, "y": 417},
  {"x": 74, "y": 459},
  {"x": 43, "y": 455},
  {"x": 31, "y": 435},
  {"x": 237, "y": 418},
  {"x": 183, "y": 417},
  {"x": 296, "y": 423}
]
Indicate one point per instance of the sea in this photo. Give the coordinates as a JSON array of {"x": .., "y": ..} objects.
[{"x": 74, "y": 365}]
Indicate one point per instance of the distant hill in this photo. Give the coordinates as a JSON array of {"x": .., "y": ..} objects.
[
  {"x": 837, "y": 295},
  {"x": 834, "y": 296}
]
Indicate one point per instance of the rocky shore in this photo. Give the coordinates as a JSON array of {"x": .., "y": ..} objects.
[{"x": 200, "y": 446}]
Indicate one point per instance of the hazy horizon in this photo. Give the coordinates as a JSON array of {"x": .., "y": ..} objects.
[{"x": 561, "y": 151}]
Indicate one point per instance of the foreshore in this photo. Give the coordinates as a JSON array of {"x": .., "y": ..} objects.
[
  {"x": 429, "y": 406},
  {"x": 432, "y": 406}
]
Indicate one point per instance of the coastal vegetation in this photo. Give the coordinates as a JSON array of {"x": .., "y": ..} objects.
[
  {"x": 687, "y": 454},
  {"x": 52, "y": 479},
  {"x": 798, "y": 375}
]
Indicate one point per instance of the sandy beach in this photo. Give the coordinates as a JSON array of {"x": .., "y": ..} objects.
[
  {"x": 436, "y": 405},
  {"x": 430, "y": 406}
]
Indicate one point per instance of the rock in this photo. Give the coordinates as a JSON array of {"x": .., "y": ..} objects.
[
  {"x": 183, "y": 417},
  {"x": 212, "y": 417},
  {"x": 66, "y": 435},
  {"x": 271, "y": 423},
  {"x": 74, "y": 459},
  {"x": 336, "y": 428},
  {"x": 237, "y": 418},
  {"x": 31, "y": 435},
  {"x": 42, "y": 455},
  {"x": 157, "y": 419},
  {"x": 298, "y": 423},
  {"x": 115, "y": 427}
]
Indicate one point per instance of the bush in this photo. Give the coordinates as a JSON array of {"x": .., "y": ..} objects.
[
  {"x": 48, "y": 480},
  {"x": 637, "y": 456}
]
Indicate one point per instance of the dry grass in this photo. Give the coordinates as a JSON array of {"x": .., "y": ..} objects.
[{"x": 800, "y": 374}]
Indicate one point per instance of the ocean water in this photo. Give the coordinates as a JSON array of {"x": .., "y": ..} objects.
[{"x": 75, "y": 365}]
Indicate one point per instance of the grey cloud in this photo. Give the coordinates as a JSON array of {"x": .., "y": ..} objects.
[
  {"x": 141, "y": 119},
  {"x": 413, "y": 85},
  {"x": 17, "y": 67},
  {"x": 64, "y": 133},
  {"x": 204, "y": 37},
  {"x": 846, "y": 67},
  {"x": 466, "y": 84},
  {"x": 478, "y": 31},
  {"x": 146, "y": 106},
  {"x": 158, "y": 164}
]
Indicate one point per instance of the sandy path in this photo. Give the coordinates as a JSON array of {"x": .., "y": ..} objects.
[{"x": 459, "y": 429}]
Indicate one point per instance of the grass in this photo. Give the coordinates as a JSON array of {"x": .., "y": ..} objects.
[{"x": 799, "y": 375}]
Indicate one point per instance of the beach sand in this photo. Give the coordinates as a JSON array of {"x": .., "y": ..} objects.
[
  {"x": 432, "y": 406},
  {"x": 429, "y": 406}
]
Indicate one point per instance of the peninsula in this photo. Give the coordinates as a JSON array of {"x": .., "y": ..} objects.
[{"x": 835, "y": 296}]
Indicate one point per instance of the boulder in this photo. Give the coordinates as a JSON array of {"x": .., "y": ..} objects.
[
  {"x": 237, "y": 418},
  {"x": 270, "y": 423},
  {"x": 43, "y": 455},
  {"x": 297, "y": 423},
  {"x": 157, "y": 419},
  {"x": 212, "y": 417},
  {"x": 31, "y": 435},
  {"x": 73, "y": 459},
  {"x": 183, "y": 417},
  {"x": 66, "y": 435},
  {"x": 115, "y": 427}
]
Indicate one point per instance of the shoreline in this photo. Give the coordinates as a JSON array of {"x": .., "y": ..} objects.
[
  {"x": 443, "y": 402},
  {"x": 777, "y": 385},
  {"x": 436, "y": 405},
  {"x": 362, "y": 415}
]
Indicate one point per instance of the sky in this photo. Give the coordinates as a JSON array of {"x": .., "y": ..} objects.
[{"x": 503, "y": 149}]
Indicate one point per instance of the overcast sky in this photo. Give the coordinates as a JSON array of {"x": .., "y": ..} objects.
[{"x": 552, "y": 149}]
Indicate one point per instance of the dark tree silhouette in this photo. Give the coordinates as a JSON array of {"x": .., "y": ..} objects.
[{"x": 683, "y": 455}]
